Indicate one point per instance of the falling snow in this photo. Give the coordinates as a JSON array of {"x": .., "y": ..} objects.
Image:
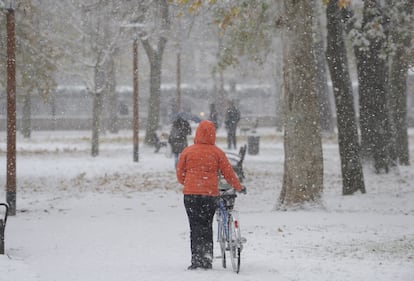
[{"x": 108, "y": 218}]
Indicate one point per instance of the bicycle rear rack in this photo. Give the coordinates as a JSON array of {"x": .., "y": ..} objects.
[{"x": 3, "y": 227}]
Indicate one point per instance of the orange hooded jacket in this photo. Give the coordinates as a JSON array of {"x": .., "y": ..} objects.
[{"x": 199, "y": 164}]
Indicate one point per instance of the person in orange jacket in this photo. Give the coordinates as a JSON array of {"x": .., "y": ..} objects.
[{"x": 197, "y": 170}]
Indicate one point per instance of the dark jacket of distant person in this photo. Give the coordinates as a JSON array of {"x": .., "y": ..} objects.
[{"x": 178, "y": 135}]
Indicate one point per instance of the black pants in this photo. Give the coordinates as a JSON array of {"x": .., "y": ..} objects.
[
  {"x": 200, "y": 212},
  {"x": 231, "y": 137}
]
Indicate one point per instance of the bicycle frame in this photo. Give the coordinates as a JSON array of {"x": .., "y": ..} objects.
[
  {"x": 228, "y": 229},
  {"x": 223, "y": 217}
]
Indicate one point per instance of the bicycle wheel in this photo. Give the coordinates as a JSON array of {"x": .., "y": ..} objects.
[
  {"x": 234, "y": 243},
  {"x": 222, "y": 241}
]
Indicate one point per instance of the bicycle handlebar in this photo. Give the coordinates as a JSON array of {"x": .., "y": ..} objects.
[
  {"x": 231, "y": 191},
  {"x": 244, "y": 190}
]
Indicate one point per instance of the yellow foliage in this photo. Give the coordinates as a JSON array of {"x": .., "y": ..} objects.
[
  {"x": 195, "y": 5},
  {"x": 343, "y": 3},
  {"x": 225, "y": 21},
  {"x": 235, "y": 11}
]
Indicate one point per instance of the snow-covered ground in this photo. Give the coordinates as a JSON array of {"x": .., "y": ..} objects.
[{"x": 107, "y": 218}]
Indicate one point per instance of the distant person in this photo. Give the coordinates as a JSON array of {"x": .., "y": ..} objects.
[
  {"x": 214, "y": 115},
  {"x": 197, "y": 169},
  {"x": 123, "y": 108},
  {"x": 231, "y": 121},
  {"x": 158, "y": 143},
  {"x": 178, "y": 137}
]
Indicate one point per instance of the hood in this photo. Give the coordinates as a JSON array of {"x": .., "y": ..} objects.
[{"x": 205, "y": 133}]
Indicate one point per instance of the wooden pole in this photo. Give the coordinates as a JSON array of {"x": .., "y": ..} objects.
[
  {"x": 11, "y": 113},
  {"x": 135, "y": 101},
  {"x": 178, "y": 99}
]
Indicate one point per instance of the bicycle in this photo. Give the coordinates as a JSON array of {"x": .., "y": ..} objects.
[{"x": 228, "y": 230}]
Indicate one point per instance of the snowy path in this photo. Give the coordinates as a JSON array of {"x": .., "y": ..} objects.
[
  {"x": 88, "y": 219},
  {"x": 144, "y": 236}
]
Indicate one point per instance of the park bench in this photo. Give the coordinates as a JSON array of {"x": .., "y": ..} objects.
[{"x": 3, "y": 221}]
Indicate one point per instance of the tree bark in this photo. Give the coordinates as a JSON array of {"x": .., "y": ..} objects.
[
  {"x": 155, "y": 58},
  {"x": 397, "y": 89},
  {"x": 322, "y": 83},
  {"x": 97, "y": 108},
  {"x": 375, "y": 126},
  {"x": 100, "y": 77},
  {"x": 303, "y": 168},
  {"x": 112, "y": 103},
  {"x": 398, "y": 93},
  {"x": 352, "y": 172},
  {"x": 27, "y": 115}
]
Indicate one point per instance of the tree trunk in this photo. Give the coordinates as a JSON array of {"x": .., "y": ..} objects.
[
  {"x": 321, "y": 84},
  {"x": 352, "y": 172},
  {"x": 53, "y": 109},
  {"x": 155, "y": 59},
  {"x": 367, "y": 136},
  {"x": 303, "y": 169},
  {"x": 95, "y": 124},
  {"x": 103, "y": 47},
  {"x": 397, "y": 89},
  {"x": 154, "y": 101},
  {"x": 27, "y": 115},
  {"x": 178, "y": 75},
  {"x": 97, "y": 108},
  {"x": 112, "y": 103},
  {"x": 375, "y": 127},
  {"x": 398, "y": 93}
]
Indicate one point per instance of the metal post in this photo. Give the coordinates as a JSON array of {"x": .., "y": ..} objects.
[
  {"x": 135, "y": 101},
  {"x": 178, "y": 98},
  {"x": 11, "y": 113}
]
